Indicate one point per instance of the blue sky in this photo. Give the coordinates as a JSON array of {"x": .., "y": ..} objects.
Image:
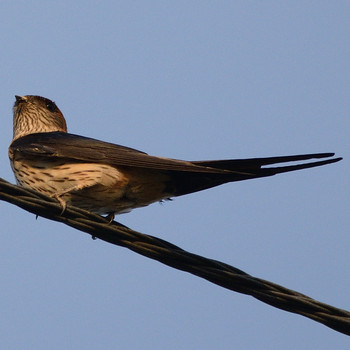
[{"x": 190, "y": 80}]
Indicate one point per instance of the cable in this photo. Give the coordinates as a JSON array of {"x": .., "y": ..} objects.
[{"x": 169, "y": 254}]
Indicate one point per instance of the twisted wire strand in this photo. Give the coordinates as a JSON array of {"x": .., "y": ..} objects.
[{"x": 169, "y": 254}]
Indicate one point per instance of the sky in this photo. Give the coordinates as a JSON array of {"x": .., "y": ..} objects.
[{"x": 190, "y": 80}]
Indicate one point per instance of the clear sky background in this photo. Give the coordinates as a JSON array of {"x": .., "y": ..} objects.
[{"x": 191, "y": 80}]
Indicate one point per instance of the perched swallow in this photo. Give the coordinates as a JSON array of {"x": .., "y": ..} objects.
[{"x": 106, "y": 178}]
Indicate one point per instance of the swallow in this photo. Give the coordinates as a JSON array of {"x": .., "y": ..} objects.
[{"x": 107, "y": 178}]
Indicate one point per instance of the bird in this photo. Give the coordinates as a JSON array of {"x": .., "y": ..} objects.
[{"x": 109, "y": 179}]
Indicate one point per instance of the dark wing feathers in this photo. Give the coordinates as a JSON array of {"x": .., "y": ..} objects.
[
  {"x": 84, "y": 149},
  {"x": 79, "y": 148}
]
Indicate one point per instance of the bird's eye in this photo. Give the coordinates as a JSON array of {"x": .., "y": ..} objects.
[{"x": 51, "y": 106}]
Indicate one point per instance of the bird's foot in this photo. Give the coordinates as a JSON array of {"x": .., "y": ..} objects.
[
  {"x": 110, "y": 217},
  {"x": 63, "y": 203}
]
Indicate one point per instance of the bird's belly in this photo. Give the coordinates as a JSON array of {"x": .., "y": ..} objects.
[{"x": 99, "y": 188}]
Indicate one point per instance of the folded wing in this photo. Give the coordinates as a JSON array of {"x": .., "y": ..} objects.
[{"x": 186, "y": 176}]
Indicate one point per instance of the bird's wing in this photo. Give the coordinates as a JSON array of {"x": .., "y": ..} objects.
[
  {"x": 83, "y": 149},
  {"x": 78, "y": 148}
]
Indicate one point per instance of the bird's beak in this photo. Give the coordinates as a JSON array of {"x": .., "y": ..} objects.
[{"x": 20, "y": 99}]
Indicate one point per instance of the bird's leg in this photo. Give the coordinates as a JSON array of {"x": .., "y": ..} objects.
[
  {"x": 60, "y": 200},
  {"x": 110, "y": 217},
  {"x": 58, "y": 195}
]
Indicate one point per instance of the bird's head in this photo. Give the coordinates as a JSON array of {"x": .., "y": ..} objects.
[{"x": 33, "y": 114}]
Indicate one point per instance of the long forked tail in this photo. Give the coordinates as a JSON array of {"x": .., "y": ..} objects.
[
  {"x": 256, "y": 166},
  {"x": 244, "y": 169}
]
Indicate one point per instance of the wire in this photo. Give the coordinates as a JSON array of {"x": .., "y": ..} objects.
[{"x": 169, "y": 254}]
